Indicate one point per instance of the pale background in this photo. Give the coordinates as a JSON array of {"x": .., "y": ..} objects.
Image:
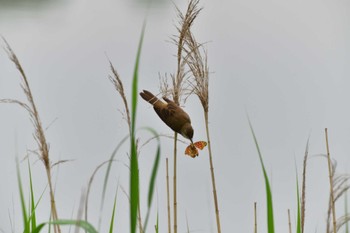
[{"x": 286, "y": 63}]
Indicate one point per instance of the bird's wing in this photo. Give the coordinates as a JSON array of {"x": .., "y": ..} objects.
[
  {"x": 173, "y": 116},
  {"x": 166, "y": 112}
]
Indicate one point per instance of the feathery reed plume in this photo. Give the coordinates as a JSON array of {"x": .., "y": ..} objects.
[
  {"x": 196, "y": 59},
  {"x": 39, "y": 134},
  {"x": 118, "y": 85},
  {"x": 168, "y": 195},
  {"x": 332, "y": 200},
  {"x": 289, "y": 223},
  {"x": 178, "y": 80},
  {"x": 303, "y": 189}
]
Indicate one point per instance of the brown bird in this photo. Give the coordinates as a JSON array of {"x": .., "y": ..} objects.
[{"x": 171, "y": 114}]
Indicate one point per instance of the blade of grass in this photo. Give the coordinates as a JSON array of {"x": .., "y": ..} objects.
[
  {"x": 157, "y": 223},
  {"x": 331, "y": 183},
  {"x": 269, "y": 202},
  {"x": 33, "y": 206},
  {"x": 107, "y": 175},
  {"x": 134, "y": 168},
  {"x": 113, "y": 213},
  {"x": 153, "y": 174},
  {"x": 23, "y": 205},
  {"x": 80, "y": 223}
]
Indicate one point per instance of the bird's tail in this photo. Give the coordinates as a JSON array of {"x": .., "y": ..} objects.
[{"x": 149, "y": 97}]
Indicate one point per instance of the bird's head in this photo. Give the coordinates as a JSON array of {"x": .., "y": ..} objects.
[{"x": 187, "y": 131}]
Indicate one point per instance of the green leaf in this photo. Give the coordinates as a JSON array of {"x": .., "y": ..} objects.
[
  {"x": 157, "y": 223},
  {"x": 113, "y": 213},
  {"x": 134, "y": 168},
  {"x": 32, "y": 204},
  {"x": 153, "y": 175},
  {"x": 109, "y": 170},
  {"x": 80, "y": 223},
  {"x": 23, "y": 205},
  {"x": 269, "y": 202}
]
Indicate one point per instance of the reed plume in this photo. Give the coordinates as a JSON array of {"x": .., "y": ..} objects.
[
  {"x": 178, "y": 80},
  {"x": 196, "y": 59},
  {"x": 39, "y": 133}
]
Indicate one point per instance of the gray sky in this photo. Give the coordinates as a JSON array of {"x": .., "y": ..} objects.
[{"x": 284, "y": 62}]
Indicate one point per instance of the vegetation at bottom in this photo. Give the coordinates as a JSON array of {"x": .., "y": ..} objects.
[{"x": 191, "y": 78}]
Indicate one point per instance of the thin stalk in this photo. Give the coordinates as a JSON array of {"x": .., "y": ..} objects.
[
  {"x": 139, "y": 217},
  {"x": 39, "y": 134},
  {"x": 331, "y": 182},
  {"x": 255, "y": 219},
  {"x": 174, "y": 184},
  {"x": 168, "y": 195},
  {"x": 289, "y": 223},
  {"x": 346, "y": 212},
  {"x": 212, "y": 173},
  {"x": 52, "y": 198}
]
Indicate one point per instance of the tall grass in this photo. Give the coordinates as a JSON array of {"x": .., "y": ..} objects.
[
  {"x": 39, "y": 134},
  {"x": 330, "y": 172},
  {"x": 193, "y": 71},
  {"x": 269, "y": 202},
  {"x": 179, "y": 80}
]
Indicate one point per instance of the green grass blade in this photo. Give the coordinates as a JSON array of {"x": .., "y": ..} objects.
[
  {"x": 155, "y": 166},
  {"x": 32, "y": 204},
  {"x": 113, "y": 213},
  {"x": 157, "y": 223},
  {"x": 134, "y": 186},
  {"x": 134, "y": 167},
  {"x": 23, "y": 205},
  {"x": 109, "y": 170},
  {"x": 153, "y": 175},
  {"x": 269, "y": 202},
  {"x": 135, "y": 81},
  {"x": 80, "y": 223}
]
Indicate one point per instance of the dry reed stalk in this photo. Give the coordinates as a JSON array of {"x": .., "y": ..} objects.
[
  {"x": 174, "y": 183},
  {"x": 255, "y": 219},
  {"x": 185, "y": 23},
  {"x": 289, "y": 223},
  {"x": 340, "y": 186},
  {"x": 331, "y": 182},
  {"x": 198, "y": 65},
  {"x": 303, "y": 189},
  {"x": 168, "y": 195},
  {"x": 39, "y": 134}
]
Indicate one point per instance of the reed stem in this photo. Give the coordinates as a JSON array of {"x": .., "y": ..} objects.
[
  {"x": 174, "y": 184},
  {"x": 168, "y": 195},
  {"x": 331, "y": 182},
  {"x": 212, "y": 173},
  {"x": 289, "y": 223}
]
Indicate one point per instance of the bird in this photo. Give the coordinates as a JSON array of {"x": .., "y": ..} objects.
[{"x": 171, "y": 114}]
